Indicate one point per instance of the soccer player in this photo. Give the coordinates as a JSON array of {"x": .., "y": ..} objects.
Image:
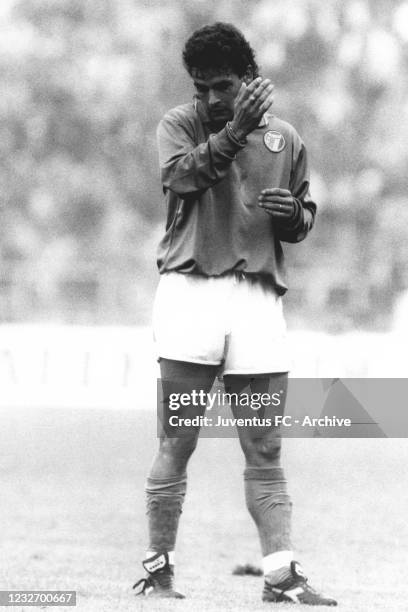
[{"x": 236, "y": 184}]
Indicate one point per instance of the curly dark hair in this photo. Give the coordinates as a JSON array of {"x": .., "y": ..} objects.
[{"x": 218, "y": 47}]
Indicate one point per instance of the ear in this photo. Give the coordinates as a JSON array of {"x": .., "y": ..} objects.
[{"x": 248, "y": 75}]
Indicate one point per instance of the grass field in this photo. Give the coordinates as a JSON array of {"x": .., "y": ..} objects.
[{"x": 72, "y": 515}]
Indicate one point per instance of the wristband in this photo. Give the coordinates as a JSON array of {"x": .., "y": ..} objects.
[{"x": 233, "y": 136}]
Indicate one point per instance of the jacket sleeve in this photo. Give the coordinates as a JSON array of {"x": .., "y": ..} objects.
[
  {"x": 187, "y": 167},
  {"x": 303, "y": 219}
]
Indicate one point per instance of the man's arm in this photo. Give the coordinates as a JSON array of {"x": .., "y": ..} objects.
[
  {"x": 187, "y": 167},
  {"x": 293, "y": 210}
]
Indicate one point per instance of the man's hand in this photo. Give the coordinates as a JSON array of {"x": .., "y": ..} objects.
[
  {"x": 250, "y": 104},
  {"x": 279, "y": 203}
]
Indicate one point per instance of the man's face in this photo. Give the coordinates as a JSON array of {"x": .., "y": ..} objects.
[{"x": 217, "y": 90}]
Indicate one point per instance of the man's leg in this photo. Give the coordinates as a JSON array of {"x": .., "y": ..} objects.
[
  {"x": 265, "y": 485},
  {"x": 266, "y": 494},
  {"x": 167, "y": 480}
]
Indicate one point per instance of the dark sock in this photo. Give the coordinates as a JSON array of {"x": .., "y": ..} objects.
[
  {"x": 165, "y": 498},
  {"x": 270, "y": 507}
]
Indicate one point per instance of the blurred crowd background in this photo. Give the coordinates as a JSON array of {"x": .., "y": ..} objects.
[{"x": 83, "y": 85}]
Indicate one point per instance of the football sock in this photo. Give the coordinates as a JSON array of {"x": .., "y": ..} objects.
[
  {"x": 165, "y": 498},
  {"x": 270, "y": 507},
  {"x": 276, "y": 566}
]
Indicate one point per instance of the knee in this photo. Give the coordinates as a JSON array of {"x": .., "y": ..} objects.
[
  {"x": 263, "y": 452},
  {"x": 178, "y": 449}
]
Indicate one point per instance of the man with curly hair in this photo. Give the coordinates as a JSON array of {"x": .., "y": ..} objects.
[{"x": 236, "y": 184}]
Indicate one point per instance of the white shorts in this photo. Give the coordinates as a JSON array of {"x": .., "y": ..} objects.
[{"x": 227, "y": 321}]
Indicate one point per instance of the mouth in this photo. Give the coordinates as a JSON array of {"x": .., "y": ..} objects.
[
  {"x": 221, "y": 116},
  {"x": 220, "y": 113}
]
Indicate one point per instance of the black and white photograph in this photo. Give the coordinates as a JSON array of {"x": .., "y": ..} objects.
[{"x": 204, "y": 305}]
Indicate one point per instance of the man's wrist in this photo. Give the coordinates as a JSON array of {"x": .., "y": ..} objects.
[{"x": 236, "y": 135}]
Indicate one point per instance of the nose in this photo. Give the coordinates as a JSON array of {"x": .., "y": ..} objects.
[{"x": 213, "y": 99}]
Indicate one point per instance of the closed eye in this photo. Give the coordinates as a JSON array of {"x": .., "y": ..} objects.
[
  {"x": 201, "y": 88},
  {"x": 222, "y": 86}
]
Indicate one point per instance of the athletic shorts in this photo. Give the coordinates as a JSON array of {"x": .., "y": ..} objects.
[{"x": 228, "y": 321}]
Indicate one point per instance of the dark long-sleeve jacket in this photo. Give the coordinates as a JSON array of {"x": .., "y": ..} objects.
[{"x": 211, "y": 185}]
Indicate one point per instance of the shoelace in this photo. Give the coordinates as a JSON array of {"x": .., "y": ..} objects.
[
  {"x": 309, "y": 588},
  {"x": 300, "y": 582},
  {"x": 146, "y": 583},
  {"x": 164, "y": 581},
  {"x": 305, "y": 585}
]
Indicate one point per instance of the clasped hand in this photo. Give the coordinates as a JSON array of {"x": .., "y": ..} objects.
[{"x": 278, "y": 202}]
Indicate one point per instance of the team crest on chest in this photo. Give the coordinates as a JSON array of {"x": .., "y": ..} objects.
[{"x": 274, "y": 141}]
